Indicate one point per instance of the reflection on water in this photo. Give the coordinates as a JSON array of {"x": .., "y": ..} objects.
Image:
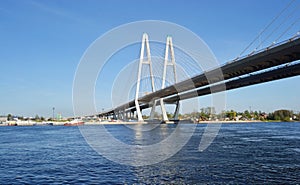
[{"x": 241, "y": 153}]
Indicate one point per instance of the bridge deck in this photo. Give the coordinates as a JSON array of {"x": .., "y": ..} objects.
[{"x": 276, "y": 74}]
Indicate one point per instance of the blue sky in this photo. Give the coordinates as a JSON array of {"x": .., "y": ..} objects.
[{"x": 42, "y": 42}]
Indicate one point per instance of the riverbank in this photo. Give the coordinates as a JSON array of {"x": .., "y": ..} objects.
[{"x": 56, "y": 123}]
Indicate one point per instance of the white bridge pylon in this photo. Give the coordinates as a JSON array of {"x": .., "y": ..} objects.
[
  {"x": 145, "y": 41},
  {"x": 169, "y": 46},
  {"x": 169, "y": 61}
]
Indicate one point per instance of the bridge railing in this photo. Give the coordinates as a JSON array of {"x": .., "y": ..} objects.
[{"x": 274, "y": 44}]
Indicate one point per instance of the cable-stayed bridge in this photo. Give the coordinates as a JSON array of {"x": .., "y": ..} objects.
[{"x": 273, "y": 63}]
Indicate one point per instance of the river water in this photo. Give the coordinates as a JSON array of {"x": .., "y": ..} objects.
[{"x": 249, "y": 153}]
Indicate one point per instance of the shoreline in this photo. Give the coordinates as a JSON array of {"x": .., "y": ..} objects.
[{"x": 136, "y": 122}]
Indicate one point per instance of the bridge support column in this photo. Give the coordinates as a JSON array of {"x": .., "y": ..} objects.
[
  {"x": 163, "y": 110},
  {"x": 122, "y": 115},
  {"x": 118, "y": 115},
  {"x": 138, "y": 111},
  {"x": 131, "y": 114},
  {"x": 115, "y": 116},
  {"x": 176, "y": 113},
  {"x": 152, "y": 113}
]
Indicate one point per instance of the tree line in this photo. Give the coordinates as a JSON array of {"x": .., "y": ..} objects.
[{"x": 209, "y": 113}]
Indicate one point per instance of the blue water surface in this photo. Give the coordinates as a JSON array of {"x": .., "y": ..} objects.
[{"x": 241, "y": 153}]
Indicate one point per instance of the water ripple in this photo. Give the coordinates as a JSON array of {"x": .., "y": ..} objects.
[{"x": 241, "y": 154}]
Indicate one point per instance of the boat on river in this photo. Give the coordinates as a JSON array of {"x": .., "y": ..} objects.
[{"x": 74, "y": 122}]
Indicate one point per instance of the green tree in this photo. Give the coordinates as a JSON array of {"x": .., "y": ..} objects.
[
  {"x": 231, "y": 114},
  {"x": 283, "y": 115},
  {"x": 169, "y": 115},
  {"x": 37, "y": 117},
  {"x": 206, "y": 113},
  {"x": 145, "y": 116},
  {"x": 256, "y": 115},
  {"x": 271, "y": 116},
  {"x": 247, "y": 114},
  {"x": 9, "y": 117}
]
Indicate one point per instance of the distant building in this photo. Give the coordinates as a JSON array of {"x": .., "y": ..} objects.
[
  {"x": 294, "y": 117},
  {"x": 239, "y": 117},
  {"x": 3, "y": 119}
]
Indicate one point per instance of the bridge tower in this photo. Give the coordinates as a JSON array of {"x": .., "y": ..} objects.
[
  {"x": 168, "y": 62},
  {"x": 143, "y": 61}
]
